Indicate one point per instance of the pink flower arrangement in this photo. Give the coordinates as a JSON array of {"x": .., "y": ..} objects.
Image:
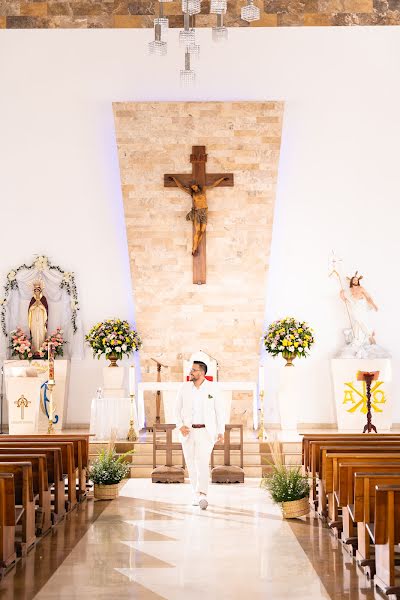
[
  {"x": 20, "y": 345},
  {"x": 57, "y": 340}
]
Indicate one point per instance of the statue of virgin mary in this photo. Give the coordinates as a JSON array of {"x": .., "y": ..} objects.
[{"x": 38, "y": 317}]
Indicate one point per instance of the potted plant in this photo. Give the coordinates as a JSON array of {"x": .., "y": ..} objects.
[
  {"x": 288, "y": 487},
  {"x": 113, "y": 338},
  {"x": 290, "y": 338},
  {"x": 107, "y": 472}
]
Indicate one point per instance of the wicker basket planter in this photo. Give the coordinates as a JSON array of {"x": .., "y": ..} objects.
[
  {"x": 106, "y": 492},
  {"x": 295, "y": 508}
]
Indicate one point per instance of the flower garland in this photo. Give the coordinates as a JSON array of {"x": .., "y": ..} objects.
[
  {"x": 289, "y": 336},
  {"x": 41, "y": 263},
  {"x": 113, "y": 336}
]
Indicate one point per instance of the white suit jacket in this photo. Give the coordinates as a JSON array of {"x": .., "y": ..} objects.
[{"x": 214, "y": 409}]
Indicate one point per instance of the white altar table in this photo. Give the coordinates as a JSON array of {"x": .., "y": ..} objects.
[
  {"x": 111, "y": 414},
  {"x": 173, "y": 386}
]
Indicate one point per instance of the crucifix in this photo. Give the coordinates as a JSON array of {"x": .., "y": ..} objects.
[
  {"x": 196, "y": 185},
  {"x": 22, "y": 403}
]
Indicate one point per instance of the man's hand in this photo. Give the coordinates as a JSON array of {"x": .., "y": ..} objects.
[
  {"x": 184, "y": 430},
  {"x": 220, "y": 438}
]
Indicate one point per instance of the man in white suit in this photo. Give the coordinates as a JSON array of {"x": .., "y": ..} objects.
[{"x": 200, "y": 418}]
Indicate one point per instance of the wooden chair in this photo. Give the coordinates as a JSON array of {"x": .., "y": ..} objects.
[
  {"x": 228, "y": 473},
  {"x": 7, "y": 523},
  {"x": 167, "y": 473},
  {"x": 385, "y": 534}
]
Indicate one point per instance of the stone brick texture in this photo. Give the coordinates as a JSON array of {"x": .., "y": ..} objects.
[
  {"x": 224, "y": 317},
  {"x": 37, "y": 14}
]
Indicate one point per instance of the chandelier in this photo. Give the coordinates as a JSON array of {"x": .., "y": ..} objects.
[{"x": 187, "y": 36}]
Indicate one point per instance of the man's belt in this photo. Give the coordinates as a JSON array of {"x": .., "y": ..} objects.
[{"x": 198, "y": 426}]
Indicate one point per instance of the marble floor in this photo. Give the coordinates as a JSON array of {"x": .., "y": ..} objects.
[{"x": 151, "y": 544}]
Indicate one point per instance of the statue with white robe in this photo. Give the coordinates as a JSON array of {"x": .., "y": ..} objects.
[{"x": 38, "y": 317}]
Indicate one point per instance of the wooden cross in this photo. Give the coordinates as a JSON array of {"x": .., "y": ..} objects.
[{"x": 198, "y": 158}]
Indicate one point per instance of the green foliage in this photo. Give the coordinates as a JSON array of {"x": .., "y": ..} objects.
[
  {"x": 109, "y": 468},
  {"x": 286, "y": 483}
]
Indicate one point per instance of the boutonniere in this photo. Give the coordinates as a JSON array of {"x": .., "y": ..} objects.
[{"x": 210, "y": 397}]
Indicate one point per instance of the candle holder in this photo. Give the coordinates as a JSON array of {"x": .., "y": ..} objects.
[
  {"x": 52, "y": 408},
  {"x": 132, "y": 435},
  {"x": 261, "y": 431}
]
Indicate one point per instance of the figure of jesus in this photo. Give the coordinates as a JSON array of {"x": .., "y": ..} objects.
[
  {"x": 199, "y": 210},
  {"x": 359, "y": 303}
]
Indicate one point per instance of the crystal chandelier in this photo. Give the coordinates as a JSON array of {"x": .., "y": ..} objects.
[
  {"x": 220, "y": 32},
  {"x": 187, "y": 35},
  {"x": 250, "y": 12},
  {"x": 218, "y": 7},
  {"x": 158, "y": 46},
  {"x": 191, "y": 7},
  {"x": 187, "y": 75}
]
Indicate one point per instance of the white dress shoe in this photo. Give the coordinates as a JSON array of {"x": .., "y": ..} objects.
[
  {"x": 203, "y": 502},
  {"x": 195, "y": 501}
]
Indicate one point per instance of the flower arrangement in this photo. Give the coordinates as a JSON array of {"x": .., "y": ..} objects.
[
  {"x": 20, "y": 344},
  {"x": 288, "y": 337},
  {"x": 113, "y": 337},
  {"x": 57, "y": 340},
  {"x": 109, "y": 468}
]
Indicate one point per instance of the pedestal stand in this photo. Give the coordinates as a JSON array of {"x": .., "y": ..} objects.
[{"x": 368, "y": 377}]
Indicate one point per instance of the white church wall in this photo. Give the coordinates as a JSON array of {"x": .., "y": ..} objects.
[{"x": 338, "y": 178}]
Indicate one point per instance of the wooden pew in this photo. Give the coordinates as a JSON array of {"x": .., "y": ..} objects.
[
  {"x": 81, "y": 454},
  {"x": 67, "y": 451},
  {"x": 328, "y": 471},
  {"x": 24, "y": 501},
  {"x": 385, "y": 534},
  {"x": 345, "y": 494},
  {"x": 54, "y": 472},
  {"x": 7, "y": 523},
  {"x": 40, "y": 483},
  {"x": 310, "y": 450},
  {"x": 363, "y": 512}
]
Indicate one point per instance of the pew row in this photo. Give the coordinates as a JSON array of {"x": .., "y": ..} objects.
[
  {"x": 311, "y": 451},
  {"x": 54, "y": 471},
  {"x": 80, "y": 450},
  {"x": 8, "y": 520},
  {"x": 24, "y": 504},
  {"x": 385, "y": 535}
]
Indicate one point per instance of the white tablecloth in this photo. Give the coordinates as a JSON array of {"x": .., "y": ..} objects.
[{"x": 111, "y": 414}]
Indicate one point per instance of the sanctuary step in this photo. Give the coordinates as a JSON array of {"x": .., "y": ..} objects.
[{"x": 257, "y": 457}]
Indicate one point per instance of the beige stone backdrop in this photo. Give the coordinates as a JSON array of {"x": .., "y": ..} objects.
[{"x": 224, "y": 317}]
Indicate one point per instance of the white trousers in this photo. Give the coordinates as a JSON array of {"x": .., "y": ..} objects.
[{"x": 197, "y": 448}]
